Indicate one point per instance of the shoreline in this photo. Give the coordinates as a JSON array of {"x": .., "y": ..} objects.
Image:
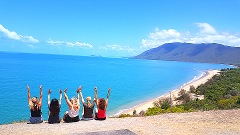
[{"x": 208, "y": 74}]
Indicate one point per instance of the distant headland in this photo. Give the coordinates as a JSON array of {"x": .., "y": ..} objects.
[{"x": 188, "y": 52}]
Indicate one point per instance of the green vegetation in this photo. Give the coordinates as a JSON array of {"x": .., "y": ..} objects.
[
  {"x": 165, "y": 106},
  {"x": 154, "y": 111},
  {"x": 124, "y": 115},
  {"x": 221, "y": 92},
  {"x": 183, "y": 95},
  {"x": 161, "y": 101}
]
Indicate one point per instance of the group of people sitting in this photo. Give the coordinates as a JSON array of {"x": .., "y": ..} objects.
[{"x": 72, "y": 115}]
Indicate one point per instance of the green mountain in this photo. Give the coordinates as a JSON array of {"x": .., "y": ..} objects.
[{"x": 188, "y": 52}]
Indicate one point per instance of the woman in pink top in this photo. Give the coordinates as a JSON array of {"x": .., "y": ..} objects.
[{"x": 100, "y": 111}]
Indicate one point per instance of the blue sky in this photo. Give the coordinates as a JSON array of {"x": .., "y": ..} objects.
[{"x": 114, "y": 28}]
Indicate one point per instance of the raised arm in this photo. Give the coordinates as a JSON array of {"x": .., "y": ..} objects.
[
  {"x": 67, "y": 100},
  {"x": 49, "y": 92},
  {"x": 96, "y": 96},
  {"x": 79, "y": 89},
  {"x": 81, "y": 94},
  {"x": 60, "y": 99},
  {"x": 40, "y": 99},
  {"x": 107, "y": 98},
  {"x": 29, "y": 97}
]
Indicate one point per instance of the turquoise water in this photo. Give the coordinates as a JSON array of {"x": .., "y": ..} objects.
[{"x": 132, "y": 81}]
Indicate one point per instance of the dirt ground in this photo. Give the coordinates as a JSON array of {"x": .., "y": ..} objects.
[{"x": 207, "y": 122}]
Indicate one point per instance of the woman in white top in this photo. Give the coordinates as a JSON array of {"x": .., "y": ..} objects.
[{"x": 74, "y": 105}]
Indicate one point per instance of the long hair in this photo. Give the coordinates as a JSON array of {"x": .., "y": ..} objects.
[
  {"x": 34, "y": 100},
  {"x": 102, "y": 103},
  {"x": 54, "y": 107},
  {"x": 88, "y": 101},
  {"x": 75, "y": 102}
]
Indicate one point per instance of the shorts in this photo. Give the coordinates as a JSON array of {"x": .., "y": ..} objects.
[
  {"x": 34, "y": 120},
  {"x": 86, "y": 118},
  {"x": 69, "y": 119},
  {"x": 53, "y": 119},
  {"x": 96, "y": 118}
]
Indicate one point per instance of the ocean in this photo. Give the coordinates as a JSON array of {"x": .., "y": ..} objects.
[{"x": 132, "y": 81}]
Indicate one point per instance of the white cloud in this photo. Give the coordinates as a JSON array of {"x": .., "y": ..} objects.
[
  {"x": 31, "y": 46},
  {"x": 116, "y": 47},
  {"x": 55, "y": 42},
  {"x": 79, "y": 44},
  {"x": 15, "y": 36},
  {"x": 164, "y": 34},
  {"x": 160, "y": 37},
  {"x": 206, "y": 28},
  {"x": 29, "y": 39},
  {"x": 10, "y": 34},
  {"x": 83, "y": 44},
  {"x": 208, "y": 34}
]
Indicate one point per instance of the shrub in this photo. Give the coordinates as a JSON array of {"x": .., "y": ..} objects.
[
  {"x": 191, "y": 110},
  {"x": 228, "y": 96},
  {"x": 183, "y": 95},
  {"x": 161, "y": 101},
  {"x": 235, "y": 92},
  {"x": 238, "y": 100},
  {"x": 165, "y": 106},
  {"x": 124, "y": 115},
  {"x": 176, "y": 109},
  {"x": 192, "y": 88},
  {"x": 134, "y": 112},
  {"x": 187, "y": 107},
  {"x": 142, "y": 113},
  {"x": 154, "y": 111},
  {"x": 207, "y": 107},
  {"x": 228, "y": 103}
]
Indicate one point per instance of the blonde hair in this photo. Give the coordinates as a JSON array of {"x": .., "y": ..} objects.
[
  {"x": 34, "y": 100},
  {"x": 75, "y": 101},
  {"x": 88, "y": 101}
]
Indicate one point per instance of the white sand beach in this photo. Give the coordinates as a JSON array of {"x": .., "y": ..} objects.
[{"x": 145, "y": 106}]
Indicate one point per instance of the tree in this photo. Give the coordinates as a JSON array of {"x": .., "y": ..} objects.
[{"x": 183, "y": 95}]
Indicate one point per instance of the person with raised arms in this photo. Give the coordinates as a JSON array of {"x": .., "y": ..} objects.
[
  {"x": 100, "y": 111},
  {"x": 54, "y": 108},
  {"x": 87, "y": 113},
  {"x": 74, "y": 105},
  {"x": 35, "y": 107}
]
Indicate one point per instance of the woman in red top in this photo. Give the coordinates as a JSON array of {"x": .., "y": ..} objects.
[{"x": 100, "y": 111}]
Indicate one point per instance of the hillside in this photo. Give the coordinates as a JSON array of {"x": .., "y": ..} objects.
[{"x": 187, "y": 52}]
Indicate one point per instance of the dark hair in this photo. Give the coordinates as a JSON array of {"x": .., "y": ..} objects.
[
  {"x": 54, "y": 107},
  {"x": 102, "y": 103}
]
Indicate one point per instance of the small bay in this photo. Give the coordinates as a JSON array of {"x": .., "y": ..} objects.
[{"x": 132, "y": 81}]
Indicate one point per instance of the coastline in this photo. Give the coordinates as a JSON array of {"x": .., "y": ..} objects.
[{"x": 201, "y": 80}]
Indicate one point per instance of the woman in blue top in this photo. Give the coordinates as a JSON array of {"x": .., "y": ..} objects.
[{"x": 35, "y": 107}]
